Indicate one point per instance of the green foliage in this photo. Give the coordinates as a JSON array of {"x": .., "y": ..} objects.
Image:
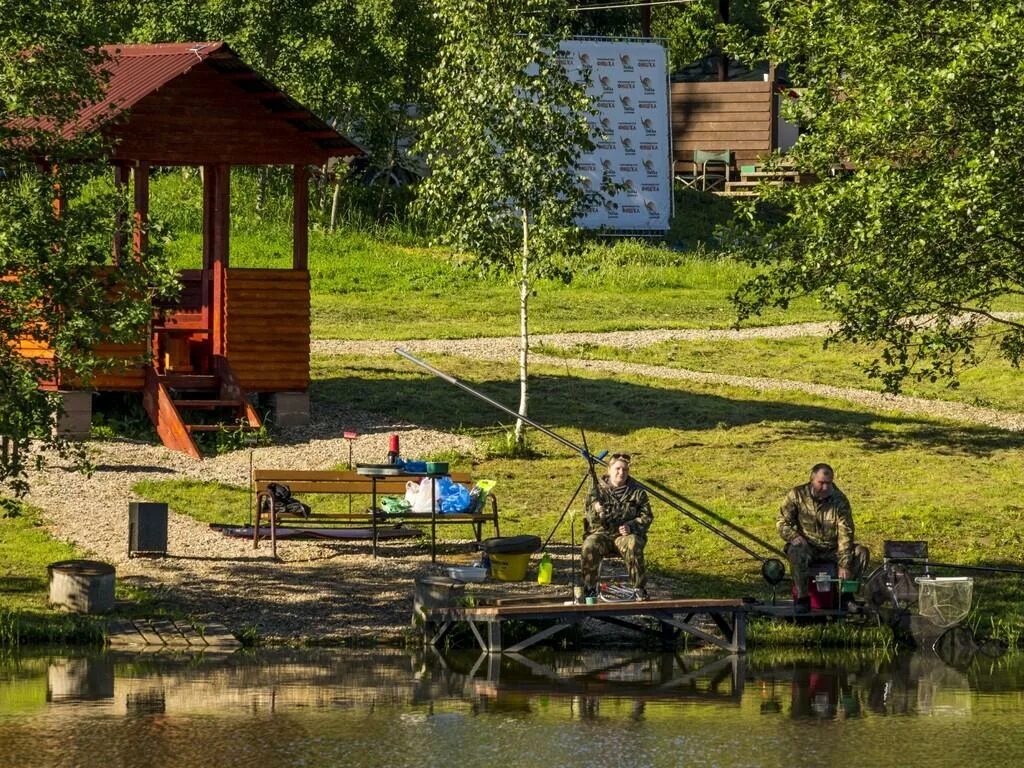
[
  {"x": 57, "y": 292},
  {"x": 696, "y": 29},
  {"x": 502, "y": 141},
  {"x": 697, "y": 219},
  {"x": 120, "y": 414},
  {"x": 505, "y": 445},
  {"x": 913, "y": 116},
  {"x": 503, "y": 138}
]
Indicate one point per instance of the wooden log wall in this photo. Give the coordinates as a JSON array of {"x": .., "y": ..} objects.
[
  {"x": 267, "y": 328},
  {"x": 734, "y": 115}
]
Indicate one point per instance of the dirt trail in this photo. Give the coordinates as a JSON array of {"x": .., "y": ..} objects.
[{"x": 506, "y": 349}]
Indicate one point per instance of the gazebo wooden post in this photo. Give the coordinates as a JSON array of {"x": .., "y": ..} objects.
[
  {"x": 140, "y": 216},
  {"x": 220, "y": 248},
  {"x": 120, "y": 181},
  {"x": 300, "y": 217},
  {"x": 292, "y": 408}
]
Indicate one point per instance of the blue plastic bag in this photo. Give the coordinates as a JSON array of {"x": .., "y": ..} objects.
[{"x": 456, "y": 500}]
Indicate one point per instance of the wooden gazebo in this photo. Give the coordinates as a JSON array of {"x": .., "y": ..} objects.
[{"x": 233, "y": 331}]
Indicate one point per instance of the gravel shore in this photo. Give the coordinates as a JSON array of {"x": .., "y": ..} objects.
[{"x": 331, "y": 591}]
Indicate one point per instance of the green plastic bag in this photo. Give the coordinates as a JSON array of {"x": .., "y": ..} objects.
[{"x": 394, "y": 505}]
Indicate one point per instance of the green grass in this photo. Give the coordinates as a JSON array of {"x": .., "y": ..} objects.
[
  {"x": 26, "y": 549},
  {"x": 727, "y": 449},
  {"x": 992, "y": 383},
  {"x": 367, "y": 289}
]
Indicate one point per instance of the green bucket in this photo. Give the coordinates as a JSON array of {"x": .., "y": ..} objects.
[{"x": 849, "y": 586}]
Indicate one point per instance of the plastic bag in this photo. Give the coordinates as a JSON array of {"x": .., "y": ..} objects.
[
  {"x": 394, "y": 505},
  {"x": 419, "y": 498},
  {"x": 457, "y": 499}
]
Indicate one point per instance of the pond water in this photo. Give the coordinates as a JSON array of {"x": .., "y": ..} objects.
[{"x": 273, "y": 708}]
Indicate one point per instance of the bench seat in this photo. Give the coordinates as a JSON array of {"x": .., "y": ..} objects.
[{"x": 303, "y": 483}]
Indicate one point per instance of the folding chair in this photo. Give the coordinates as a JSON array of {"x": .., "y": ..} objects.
[{"x": 702, "y": 158}]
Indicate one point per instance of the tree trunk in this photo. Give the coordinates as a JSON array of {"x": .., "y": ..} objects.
[
  {"x": 524, "y": 338},
  {"x": 335, "y": 198}
]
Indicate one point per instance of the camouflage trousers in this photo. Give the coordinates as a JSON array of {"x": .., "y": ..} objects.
[
  {"x": 600, "y": 545},
  {"x": 801, "y": 557}
]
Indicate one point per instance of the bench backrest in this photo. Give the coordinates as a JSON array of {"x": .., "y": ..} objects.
[{"x": 347, "y": 481}]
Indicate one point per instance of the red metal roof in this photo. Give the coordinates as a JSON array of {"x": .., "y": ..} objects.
[{"x": 136, "y": 71}]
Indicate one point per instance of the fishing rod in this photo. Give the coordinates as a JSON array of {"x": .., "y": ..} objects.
[
  {"x": 568, "y": 506},
  {"x": 980, "y": 568},
  {"x": 716, "y": 517},
  {"x": 772, "y": 570}
]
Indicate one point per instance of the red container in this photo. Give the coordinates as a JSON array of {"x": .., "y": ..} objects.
[{"x": 823, "y": 599}]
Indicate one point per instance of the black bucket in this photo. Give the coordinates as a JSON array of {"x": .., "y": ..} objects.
[{"x": 511, "y": 545}]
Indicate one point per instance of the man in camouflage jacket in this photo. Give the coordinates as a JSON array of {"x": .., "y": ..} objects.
[
  {"x": 816, "y": 523},
  {"x": 618, "y": 514}
]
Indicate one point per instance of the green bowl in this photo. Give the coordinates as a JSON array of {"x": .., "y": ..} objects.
[
  {"x": 437, "y": 467},
  {"x": 849, "y": 586}
]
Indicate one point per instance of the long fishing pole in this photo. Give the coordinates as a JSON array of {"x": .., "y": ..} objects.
[
  {"x": 569, "y": 444},
  {"x": 569, "y": 505},
  {"x": 981, "y": 568},
  {"x": 716, "y": 517}
]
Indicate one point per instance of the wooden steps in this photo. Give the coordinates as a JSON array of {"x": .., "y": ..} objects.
[
  {"x": 171, "y": 397},
  {"x": 751, "y": 180},
  {"x": 207, "y": 404}
]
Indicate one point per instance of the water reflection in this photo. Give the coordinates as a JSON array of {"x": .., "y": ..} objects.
[{"x": 395, "y": 707}]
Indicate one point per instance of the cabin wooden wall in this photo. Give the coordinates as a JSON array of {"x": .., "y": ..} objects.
[
  {"x": 130, "y": 376},
  {"x": 267, "y": 328},
  {"x": 733, "y": 115}
]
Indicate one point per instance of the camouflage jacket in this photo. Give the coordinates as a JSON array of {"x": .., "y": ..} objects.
[
  {"x": 627, "y": 506},
  {"x": 826, "y": 524}
]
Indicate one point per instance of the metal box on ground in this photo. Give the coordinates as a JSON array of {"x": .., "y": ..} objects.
[{"x": 147, "y": 528}]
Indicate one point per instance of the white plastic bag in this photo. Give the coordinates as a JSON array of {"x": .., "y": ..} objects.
[
  {"x": 412, "y": 491},
  {"x": 421, "y": 501}
]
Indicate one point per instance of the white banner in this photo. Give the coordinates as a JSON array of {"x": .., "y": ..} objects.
[{"x": 634, "y": 137}]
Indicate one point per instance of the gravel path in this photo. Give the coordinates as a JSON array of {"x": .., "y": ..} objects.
[
  {"x": 328, "y": 590},
  {"x": 506, "y": 349},
  {"x": 336, "y": 591}
]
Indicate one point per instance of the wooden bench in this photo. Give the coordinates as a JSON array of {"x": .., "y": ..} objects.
[{"x": 370, "y": 517}]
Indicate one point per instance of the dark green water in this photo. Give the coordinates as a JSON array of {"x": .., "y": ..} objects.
[{"x": 605, "y": 708}]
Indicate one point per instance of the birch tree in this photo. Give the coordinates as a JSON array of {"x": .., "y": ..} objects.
[{"x": 506, "y": 129}]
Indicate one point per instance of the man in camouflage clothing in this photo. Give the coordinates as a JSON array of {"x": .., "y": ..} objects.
[
  {"x": 618, "y": 514},
  {"x": 816, "y": 523}
]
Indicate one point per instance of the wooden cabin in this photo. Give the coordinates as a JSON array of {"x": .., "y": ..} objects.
[
  {"x": 738, "y": 116},
  {"x": 233, "y": 331}
]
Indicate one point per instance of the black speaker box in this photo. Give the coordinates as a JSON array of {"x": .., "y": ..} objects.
[{"x": 147, "y": 528}]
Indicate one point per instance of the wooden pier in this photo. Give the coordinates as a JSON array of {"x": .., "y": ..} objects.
[
  {"x": 674, "y": 618},
  {"x": 152, "y": 635}
]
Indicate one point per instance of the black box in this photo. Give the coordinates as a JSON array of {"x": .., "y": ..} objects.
[{"x": 147, "y": 528}]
